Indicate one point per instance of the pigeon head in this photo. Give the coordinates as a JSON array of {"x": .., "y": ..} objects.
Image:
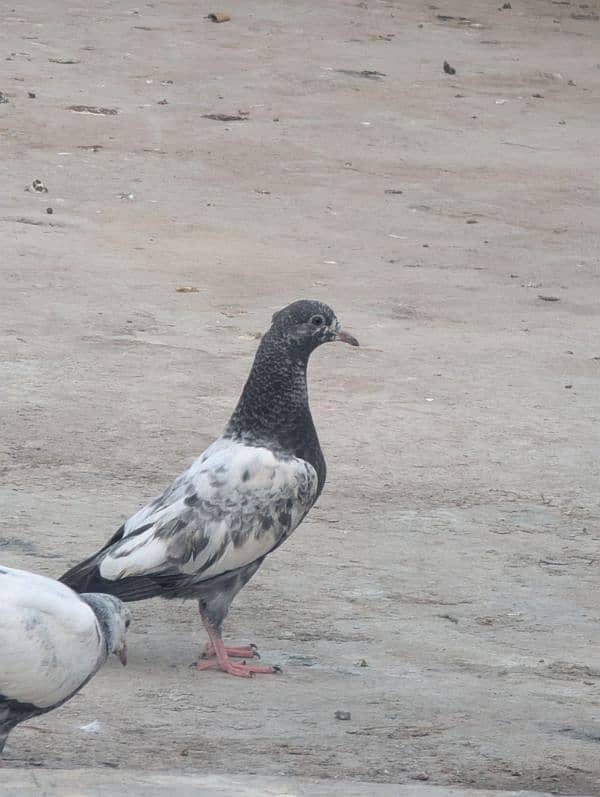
[
  {"x": 114, "y": 618},
  {"x": 306, "y": 324}
]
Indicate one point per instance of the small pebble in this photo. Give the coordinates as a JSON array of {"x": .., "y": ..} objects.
[
  {"x": 49, "y": 211},
  {"x": 342, "y": 715}
]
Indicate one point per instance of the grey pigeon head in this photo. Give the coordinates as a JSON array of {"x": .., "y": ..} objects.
[
  {"x": 306, "y": 324},
  {"x": 114, "y": 618}
]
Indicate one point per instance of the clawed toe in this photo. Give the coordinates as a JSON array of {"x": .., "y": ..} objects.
[{"x": 240, "y": 669}]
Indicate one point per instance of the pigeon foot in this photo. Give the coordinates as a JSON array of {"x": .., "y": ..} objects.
[{"x": 242, "y": 670}]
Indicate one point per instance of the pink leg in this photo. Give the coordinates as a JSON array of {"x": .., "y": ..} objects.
[
  {"x": 221, "y": 661},
  {"x": 233, "y": 651}
]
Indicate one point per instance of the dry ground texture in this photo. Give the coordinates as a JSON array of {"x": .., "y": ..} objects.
[{"x": 452, "y": 222}]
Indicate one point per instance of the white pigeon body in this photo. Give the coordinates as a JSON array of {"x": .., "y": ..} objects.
[{"x": 51, "y": 644}]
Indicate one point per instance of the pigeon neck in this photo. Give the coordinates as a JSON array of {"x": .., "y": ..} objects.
[
  {"x": 99, "y": 608},
  {"x": 273, "y": 407}
]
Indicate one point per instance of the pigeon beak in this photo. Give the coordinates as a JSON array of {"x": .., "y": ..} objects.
[
  {"x": 121, "y": 653},
  {"x": 345, "y": 337}
]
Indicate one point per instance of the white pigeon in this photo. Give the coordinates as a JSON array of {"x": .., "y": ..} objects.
[
  {"x": 209, "y": 532},
  {"x": 52, "y": 641}
]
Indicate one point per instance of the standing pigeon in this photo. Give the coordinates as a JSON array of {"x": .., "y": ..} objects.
[
  {"x": 210, "y": 531},
  {"x": 52, "y": 642}
]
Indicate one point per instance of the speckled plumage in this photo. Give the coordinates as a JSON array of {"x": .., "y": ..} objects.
[{"x": 209, "y": 532}]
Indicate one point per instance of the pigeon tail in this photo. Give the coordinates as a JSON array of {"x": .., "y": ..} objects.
[{"x": 85, "y": 577}]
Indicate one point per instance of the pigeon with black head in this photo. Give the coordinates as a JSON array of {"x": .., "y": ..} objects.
[{"x": 209, "y": 532}]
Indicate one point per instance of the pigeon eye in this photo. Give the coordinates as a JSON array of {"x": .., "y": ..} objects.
[{"x": 317, "y": 320}]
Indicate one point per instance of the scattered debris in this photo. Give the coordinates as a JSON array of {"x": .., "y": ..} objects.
[
  {"x": 37, "y": 185},
  {"x": 31, "y": 95},
  {"x": 538, "y": 96},
  {"x": 125, "y": 195},
  {"x": 64, "y": 60},
  {"x": 261, "y": 191},
  {"x": 218, "y": 16},
  {"x": 23, "y": 220},
  {"x": 585, "y": 734},
  {"x": 568, "y": 387},
  {"x": 472, "y": 221},
  {"x": 368, "y": 74},
  {"x": 545, "y": 298},
  {"x": 505, "y": 6},
  {"x": 3, "y": 98},
  {"x": 449, "y": 70},
  {"x": 342, "y": 715},
  {"x": 90, "y": 147},
  {"x": 227, "y": 117},
  {"x": 93, "y": 109},
  {"x": 458, "y": 21},
  {"x": 393, "y": 191},
  {"x": 187, "y": 289},
  {"x": 421, "y": 776},
  {"x": 162, "y": 102},
  {"x": 91, "y": 727},
  {"x": 361, "y": 663},
  {"x": 450, "y": 617}
]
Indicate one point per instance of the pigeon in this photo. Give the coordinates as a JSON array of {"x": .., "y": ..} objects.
[
  {"x": 209, "y": 532},
  {"x": 52, "y": 641}
]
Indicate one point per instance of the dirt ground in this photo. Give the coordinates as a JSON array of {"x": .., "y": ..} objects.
[{"x": 444, "y": 590}]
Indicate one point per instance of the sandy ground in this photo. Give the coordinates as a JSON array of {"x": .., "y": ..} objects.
[
  {"x": 454, "y": 551},
  {"x": 130, "y": 783}
]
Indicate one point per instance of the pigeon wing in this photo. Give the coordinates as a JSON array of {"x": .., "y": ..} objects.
[{"x": 231, "y": 507}]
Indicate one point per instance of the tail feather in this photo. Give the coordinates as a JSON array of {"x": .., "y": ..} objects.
[{"x": 85, "y": 577}]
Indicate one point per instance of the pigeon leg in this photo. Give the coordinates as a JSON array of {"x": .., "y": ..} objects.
[
  {"x": 221, "y": 661},
  {"x": 233, "y": 651}
]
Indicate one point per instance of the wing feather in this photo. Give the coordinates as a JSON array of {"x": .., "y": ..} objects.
[{"x": 230, "y": 508}]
